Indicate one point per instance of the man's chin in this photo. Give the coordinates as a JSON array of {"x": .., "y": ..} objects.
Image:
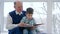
[{"x": 19, "y": 11}]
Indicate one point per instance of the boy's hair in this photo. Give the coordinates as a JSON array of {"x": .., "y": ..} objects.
[{"x": 29, "y": 11}]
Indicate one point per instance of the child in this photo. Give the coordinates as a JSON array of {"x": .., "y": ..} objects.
[{"x": 29, "y": 21}]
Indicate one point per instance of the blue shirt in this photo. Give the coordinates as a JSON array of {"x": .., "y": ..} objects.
[{"x": 27, "y": 21}]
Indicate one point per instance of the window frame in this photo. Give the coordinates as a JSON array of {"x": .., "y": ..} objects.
[{"x": 49, "y": 12}]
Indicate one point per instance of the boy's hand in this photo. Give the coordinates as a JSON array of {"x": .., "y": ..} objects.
[{"x": 33, "y": 27}]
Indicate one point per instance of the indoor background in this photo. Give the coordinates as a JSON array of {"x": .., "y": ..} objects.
[{"x": 45, "y": 11}]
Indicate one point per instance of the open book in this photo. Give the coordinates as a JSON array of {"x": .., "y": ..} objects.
[
  {"x": 37, "y": 24},
  {"x": 31, "y": 25}
]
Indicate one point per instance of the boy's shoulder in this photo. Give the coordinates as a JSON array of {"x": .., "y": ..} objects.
[
  {"x": 33, "y": 18},
  {"x": 24, "y": 17}
]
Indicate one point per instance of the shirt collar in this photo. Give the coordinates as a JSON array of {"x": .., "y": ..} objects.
[
  {"x": 28, "y": 19},
  {"x": 18, "y": 13}
]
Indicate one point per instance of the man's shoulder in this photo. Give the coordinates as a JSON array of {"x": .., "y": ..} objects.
[
  {"x": 23, "y": 11},
  {"x": 12, "y": 11}
]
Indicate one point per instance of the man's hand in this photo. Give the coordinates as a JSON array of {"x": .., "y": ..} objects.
[{"x": 21, "y": 24}]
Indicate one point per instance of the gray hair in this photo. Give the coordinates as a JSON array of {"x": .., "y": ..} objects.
[{"x": 16, "y": 2}]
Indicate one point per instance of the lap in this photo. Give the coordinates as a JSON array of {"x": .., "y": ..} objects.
[
  {"x": 16, "y": 30},
  {"x": 26, "y": 31}
]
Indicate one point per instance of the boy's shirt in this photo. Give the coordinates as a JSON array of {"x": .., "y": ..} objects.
[
  {"x": 25, "y": 20},
  {"x": 31, "y": 22}
]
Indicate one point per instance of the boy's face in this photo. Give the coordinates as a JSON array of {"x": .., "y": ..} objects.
[{"x": 29, "y": 16}]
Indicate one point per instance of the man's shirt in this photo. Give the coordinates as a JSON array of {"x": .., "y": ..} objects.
[{"x": 9, "y": 24}]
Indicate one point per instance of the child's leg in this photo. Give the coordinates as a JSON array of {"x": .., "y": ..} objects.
[
  {"x": 32, "y": 32},
  {"x": 25, "y": 31}
]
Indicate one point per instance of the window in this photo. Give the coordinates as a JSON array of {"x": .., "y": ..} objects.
[
  {"x": 39, "y": 11},
  {"x": 56, "y": 18},
  {"x": 8, "y": 6}
]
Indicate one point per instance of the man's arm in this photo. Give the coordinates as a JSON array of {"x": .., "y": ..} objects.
[{"x": 9, "y": 24}]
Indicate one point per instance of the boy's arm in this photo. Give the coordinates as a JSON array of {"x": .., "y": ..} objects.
[{"x": 24, "y": 24}]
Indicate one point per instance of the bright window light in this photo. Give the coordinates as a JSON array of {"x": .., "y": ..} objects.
[{"x": 40, "y": 9}]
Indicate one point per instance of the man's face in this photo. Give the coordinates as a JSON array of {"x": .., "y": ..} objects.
[
  {"x": 18, "y": 7},
  {"x": 29, "y": 16}
]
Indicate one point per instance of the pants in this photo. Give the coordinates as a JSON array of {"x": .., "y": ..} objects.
[
  {"x": 25, "y": 31},
  {"x": 17, "y": 30}
]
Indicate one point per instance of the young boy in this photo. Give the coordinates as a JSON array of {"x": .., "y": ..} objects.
[{"x": 29, "y": 21}]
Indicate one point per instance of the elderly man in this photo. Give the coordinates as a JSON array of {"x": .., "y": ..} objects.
[{"x": 13, "y": 19}]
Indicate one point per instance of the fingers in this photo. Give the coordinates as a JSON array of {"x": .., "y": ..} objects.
[{"x": 21, "y": 24}]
